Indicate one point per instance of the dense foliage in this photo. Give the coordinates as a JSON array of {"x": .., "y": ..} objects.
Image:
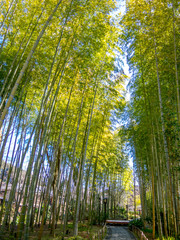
[
  {"x": 152, "y": 43},
  {"x": 60, "y": 95},
  {"x": 137, "y": 223}
]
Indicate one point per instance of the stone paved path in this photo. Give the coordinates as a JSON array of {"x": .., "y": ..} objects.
[{"x": 119, "y": 233}]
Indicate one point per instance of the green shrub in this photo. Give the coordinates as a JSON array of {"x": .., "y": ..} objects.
[
  {"x": 82, "y": 227},
  {"x": 70, "y": 225},
  {"x": 148, "y": 230},
  {"x": 137, "y": 223},
  {"x": 169, "y": 238},
  {"x": 148, "y": 220},
  {"x": 75, "y": 238}
]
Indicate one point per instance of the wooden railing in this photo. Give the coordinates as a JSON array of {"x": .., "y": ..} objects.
[{"x": 139, "y": 233}]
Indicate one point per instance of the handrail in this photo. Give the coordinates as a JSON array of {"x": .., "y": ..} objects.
[{"x": 139, "y": 233}]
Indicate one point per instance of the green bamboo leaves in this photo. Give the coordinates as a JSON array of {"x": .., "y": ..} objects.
[
  {"x": 57, "y": 101},
  {"x": 151, "y": 38}
]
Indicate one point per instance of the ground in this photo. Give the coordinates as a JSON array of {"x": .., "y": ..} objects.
[
  {"x": 119, "y": 233},
  {"x": 84, "y": 231}
]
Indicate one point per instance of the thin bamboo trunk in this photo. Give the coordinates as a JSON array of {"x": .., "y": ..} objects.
[
  {"x": 165, "y": 141},
  {"x": 72, "y": 162},
  {"x": 79, "y": 184},
  {"x": 53, "y": 167}
]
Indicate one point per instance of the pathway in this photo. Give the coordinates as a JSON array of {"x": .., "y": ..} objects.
[{"x": 119, "y": 233}]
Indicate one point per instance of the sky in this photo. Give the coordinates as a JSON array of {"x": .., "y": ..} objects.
[{"x": 121, "y": 9}]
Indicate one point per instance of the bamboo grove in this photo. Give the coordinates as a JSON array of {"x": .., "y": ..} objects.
[
  {"x": 151, "y": 39},
  {"x": 61, "y": 93}
]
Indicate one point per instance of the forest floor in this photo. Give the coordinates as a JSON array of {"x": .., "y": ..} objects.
[
  {"x": 83, "y": 231},
  {"x": 149, "y": 234}
]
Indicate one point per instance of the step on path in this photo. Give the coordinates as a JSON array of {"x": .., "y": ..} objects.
[{"x": 119, "y": 233}]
